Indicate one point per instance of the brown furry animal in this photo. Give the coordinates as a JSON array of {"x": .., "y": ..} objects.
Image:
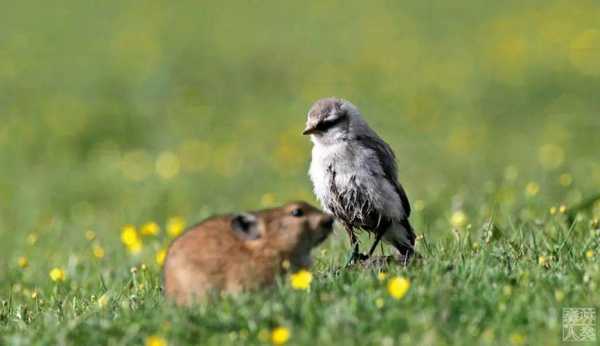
[{"x": 232, "y": 253}]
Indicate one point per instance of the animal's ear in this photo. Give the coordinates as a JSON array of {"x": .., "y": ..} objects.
[{"x": 245, "y": 226}]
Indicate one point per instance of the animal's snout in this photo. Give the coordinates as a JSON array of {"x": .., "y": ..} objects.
[{"x": 327, "y": 222}]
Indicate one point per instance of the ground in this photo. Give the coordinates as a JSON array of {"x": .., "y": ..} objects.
[{"x": 121, "y": 124}]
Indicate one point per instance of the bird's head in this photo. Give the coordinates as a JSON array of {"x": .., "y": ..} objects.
[{"x": 330, "y": 119}]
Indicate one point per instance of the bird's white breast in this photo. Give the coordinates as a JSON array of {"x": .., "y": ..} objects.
[{"x": 351, "y": 161}]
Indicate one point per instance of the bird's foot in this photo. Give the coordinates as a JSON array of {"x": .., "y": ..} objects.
[{"x": 356, "y": 257}]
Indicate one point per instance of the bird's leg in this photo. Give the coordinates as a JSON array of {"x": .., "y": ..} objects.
[
  {"x": 355, "y": 255},
  {"x": 377, "y": 240}
]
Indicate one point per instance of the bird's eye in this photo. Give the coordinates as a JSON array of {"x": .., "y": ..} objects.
[{"x": 297, "y": 212}]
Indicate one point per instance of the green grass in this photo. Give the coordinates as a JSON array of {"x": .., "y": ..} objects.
[{"x": 119, "y": 113}]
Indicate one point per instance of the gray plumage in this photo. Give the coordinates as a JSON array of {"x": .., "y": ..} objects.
[{"x": 355, "y": 176}]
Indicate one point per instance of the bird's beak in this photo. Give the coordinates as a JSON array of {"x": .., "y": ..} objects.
[{"x": 310, "y": 128}]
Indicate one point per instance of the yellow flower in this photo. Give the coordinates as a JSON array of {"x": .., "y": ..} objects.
[
  {"x": 542, "y": 260},
  {"x": 532, "y": 189},
  {"x": 565, "y": 179},
  {"x": 301, "y": 280},
  {"x": 160, "y": 256},
  {"x": 90, "y": 235},
  {"x": 280, "y": 335},
  {"x": 155, "y": 340},
  {"x": 285, "y": 264},
  {"x": 267, "y": 200},
  {"x": 517, "y": 339},
  {"x": 32, "y": 238},
  {"x": 129, "y": 235},
  {"x": 175, "y": 226},
  {"x": 34, "y": 294},
  {"x": 135, "y": 248},
  {"x": 551, "y": 156},
  {"x": 150, "y": 228},
  {"x": 458, "y": 219},
  {"x": 57, "y": 275},
  {"x": 552, "y": 210},
  {"x": 98, "y": 251},
  {"x": 562, "y": 209},
  {"x": 103, "y": 301},
  {"x": 168, "y": 165},
  {"x": 589, "y": 254},
  {"x": 419, "y": 205},
  {"x": 398, "y": 287},
  {"x": 381, "y": 276},
  {"x": 23, "y": 262}
]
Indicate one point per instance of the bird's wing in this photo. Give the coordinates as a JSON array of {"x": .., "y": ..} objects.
[{"x": 387, "y": 160}]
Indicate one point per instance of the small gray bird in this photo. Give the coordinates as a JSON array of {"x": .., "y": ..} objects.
[{"x": 354, "y": 176}]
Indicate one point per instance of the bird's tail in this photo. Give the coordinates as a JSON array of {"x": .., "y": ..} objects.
[{"x": 401, "y": 236}]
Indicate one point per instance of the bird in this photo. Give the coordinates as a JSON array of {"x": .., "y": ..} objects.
[{"x": 354, "y": 177}]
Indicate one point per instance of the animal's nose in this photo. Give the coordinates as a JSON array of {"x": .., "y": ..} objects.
[{"x": 327, "y": 222}]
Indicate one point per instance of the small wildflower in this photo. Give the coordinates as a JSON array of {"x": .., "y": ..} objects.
[
  {"x": 150, "y": 229},
  {"x": 398, "y": 287},
  {"x": 267, "y": 200},
  {"x": 167, "y": 165},
  {"x": 381, "y": 276},
  {"x": 285, "y": 264},
  {"x": 98, "y": 251},
  {"x": 552, "y": 210},
  {"x": 379, "y": 303},
  {"x": 144, "y": 267},
  {"x": 133, "y": 270},
  {"x": 155, "y": 340},
  {"x": 57, "y": 275},
  {"x": 32, "y": 238},
  {"x": 589, "y": 254},
  {"x": 160, "y": 256},
  {"x": 23, "y": 262},
  {"x": 551, "y": 156},
  {"x": 175, "y": 226},
  {"x": 543, "y": 261},
  {"x": 103, "y": 301},
  {"x": 129, "y": 235},
  {"x": 458, "y": 219},
  {"x": 34, "y": 295},
  {"x": 532, "y": 189},
  {"x": 562, "y": 209},
  {"x": 135, "y": 248},
  {"x": 301, "y": 280},
  {"x": 419, "y": 205},
  {"x": 90, "y": 235},
  {"x": 559, "y": 295},
  {"x": 517, "y": 339},
  {"x": 565, "y": 180},
  {"x": 280, "y": 335}
]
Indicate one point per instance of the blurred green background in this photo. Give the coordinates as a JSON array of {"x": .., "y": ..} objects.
[{"x": 122, "y": 112}]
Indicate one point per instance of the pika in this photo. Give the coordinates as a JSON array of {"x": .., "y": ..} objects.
[{"x": 238, "y": 252}]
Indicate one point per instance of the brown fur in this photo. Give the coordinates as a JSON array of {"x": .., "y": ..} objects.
[{"x": 212, "y": 256}]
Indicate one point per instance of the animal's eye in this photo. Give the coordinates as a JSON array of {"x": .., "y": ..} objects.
[{"x": 297, "y": 212}]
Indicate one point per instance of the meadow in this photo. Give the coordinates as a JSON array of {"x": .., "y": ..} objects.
[{"x": 121, "y": 123}]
